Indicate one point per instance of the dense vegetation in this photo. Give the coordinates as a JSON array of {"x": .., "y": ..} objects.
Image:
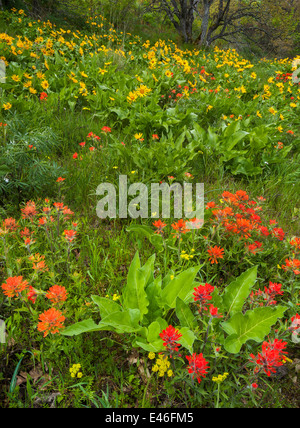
[{"x": 145, "y": 312}]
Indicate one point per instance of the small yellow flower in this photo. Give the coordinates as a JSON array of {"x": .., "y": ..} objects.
[
  {"x": 272, "y": 110},
  {"x": 45, "y": 84},
  {"x": 151, "y": 355},
  {"x": 7, "y": 106},
  {"x": 16, "y": 78}
]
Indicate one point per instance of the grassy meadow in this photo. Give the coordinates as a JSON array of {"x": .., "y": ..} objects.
[{"x": 146, "y": 312}]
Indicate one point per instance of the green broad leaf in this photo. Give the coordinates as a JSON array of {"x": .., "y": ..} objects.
[
  {"x": 254, "y": 325},
  {"x": 188, "y": 338},
  {"x": 234, "y": 139},
  {"x": 184, "y": 314},
  {"x": 153, "y": 332},
  {"x": 134, "y": 294},
  {"x": 244, "y": 166},
  {"x": 146, "y": 231},
  {"x": 81, "y": 327},
  {"x": 151, "y": 347},
  {"x": 237, "y": 292},
  {"x": 106, "y": 306},
  {"x": 181, "y": 286},
  {"x": 122, "y": 322},
  {"x": 122, "y": 114}
]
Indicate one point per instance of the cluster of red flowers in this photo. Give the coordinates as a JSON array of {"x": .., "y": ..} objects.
[
  {"x": 197, "y": 364},
  {"x": 268, "y": 294},
  {"x": 170, "y": 336},
  {"x": 180, "y": 228},
  {"x": 292, "y": 265},
  {"x": 175, "y": 94},
  {"x": 51, "y": 321},
  {"x": 271, "y": 357},
  {"x": 284, "y": 76},
  {"x": 240, "y": 216},
  {"x": 43, "y": 96},
  {"x": 202, "y": 294}
]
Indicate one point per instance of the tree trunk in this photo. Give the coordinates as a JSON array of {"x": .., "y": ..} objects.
[{"x": 205, "y": 21}]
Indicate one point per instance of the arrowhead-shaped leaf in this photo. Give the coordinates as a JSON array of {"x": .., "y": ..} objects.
[
  {"x": 254, "y": 325},
  {"x": 181, "y": 286},
  {"x": 237, "y": 292},
  {"x": 106, "y": 306},
  {"x": 81, "y": 327},
  {"x": 134, "y": 294},
  {"x": 184, "y": 314}
]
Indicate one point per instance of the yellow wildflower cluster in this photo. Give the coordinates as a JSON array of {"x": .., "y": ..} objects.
[
  {"x": 220, "y": 378},
  {"x": 75, "y": 371},
  {"x": 186, "y": 256},
  {"x": 141, "y": 92},
  {"x": 162, "y": 365}
]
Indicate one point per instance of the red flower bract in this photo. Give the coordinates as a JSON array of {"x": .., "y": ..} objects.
[
  {"x": 159, "y": 226},
  {"x": 14, "y": 285},
  {"x": 215, "y": 254},
  {"x": 180, "y": 227},
  {"x": 197, "y": 366},
  {"x": 271, "y": 357},
  {"x": 51, "y": 321},
  {"x": 57, "y": 294},
  {"x": 169, "y": 336},
  {"x": 202, "y": 293}
]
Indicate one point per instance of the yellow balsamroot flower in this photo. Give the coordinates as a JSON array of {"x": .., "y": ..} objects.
[
  {"x": 272, "y": 110},
  {"x": 132, "y": 96},
  {"x": 45, "y": 84},
  {"x": 142, "y": 91},
  {"x": 15, "y": 78}
]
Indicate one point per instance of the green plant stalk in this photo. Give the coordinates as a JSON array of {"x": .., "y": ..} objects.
[{"x": 145, "y": 391}]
